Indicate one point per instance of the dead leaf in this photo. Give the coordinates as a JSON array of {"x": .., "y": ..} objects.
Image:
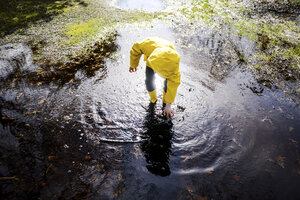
[
  {"x": 67, "y": 118},
  {"x": 236, "y": 177},
  {"x": 19, "y": 95},
  {"x": 43, "y": 184},
  {"x": 280, "y": 161},
  {"x": 51, "y": 157},
  {"x": 185, "y": 159},
  {"x": 87, "y": 157},
  {"x": 117, "y": 193},
  {"x": 210, "y": 171},
  {"x": 236, "y": 142},
  {"x": 42, "y": 101},
  {"x": 48, "y": 168},
  {"x": 190, "y": 190},
  {"x": 10, "y": 178}
]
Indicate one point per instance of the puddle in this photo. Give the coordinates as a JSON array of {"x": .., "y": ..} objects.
[
  {"x": 98, "y": 139},
  {"x": 151, "y": 6}
]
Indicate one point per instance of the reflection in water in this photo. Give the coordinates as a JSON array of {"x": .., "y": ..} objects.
[
  {"x": 153, "y": 5},
  {"x": 157, "y": 144},
  {"x": 223, "y": 139}
]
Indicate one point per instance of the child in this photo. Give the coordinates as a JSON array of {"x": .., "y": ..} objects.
[{"x": 161, "y": 57}]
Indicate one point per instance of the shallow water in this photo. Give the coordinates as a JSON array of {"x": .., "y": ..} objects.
[
  {"x": 153, "y": 5},
  {"x": 95, "y": 137}
]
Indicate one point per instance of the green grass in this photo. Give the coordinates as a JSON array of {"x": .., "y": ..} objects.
[
  {"x": 15, "y": 14},
  {"x": 275, "y": 37}
]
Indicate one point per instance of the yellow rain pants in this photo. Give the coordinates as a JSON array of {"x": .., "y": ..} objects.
[{"x": 161, "y": 56}]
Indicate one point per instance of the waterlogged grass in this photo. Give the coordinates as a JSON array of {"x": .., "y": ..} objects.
[
  {"x": 91, "y": 27},
  {"x": 277, "y": 38}
]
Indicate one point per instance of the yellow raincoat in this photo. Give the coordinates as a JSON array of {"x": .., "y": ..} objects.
[{"x": 161, "y": 56}]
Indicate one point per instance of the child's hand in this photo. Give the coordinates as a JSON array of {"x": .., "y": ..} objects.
[
  {"x": 132, "y": 69},
  {"x": 168, "y": 111}
]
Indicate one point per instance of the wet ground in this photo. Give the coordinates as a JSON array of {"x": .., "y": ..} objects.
[{"x": 86, "y": 131}]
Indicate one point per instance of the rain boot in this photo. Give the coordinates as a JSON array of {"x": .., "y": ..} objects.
[{"x": 153, "y": 97}]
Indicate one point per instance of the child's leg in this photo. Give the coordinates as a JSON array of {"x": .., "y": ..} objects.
[
  {"x": 150, "y": 84},
  {"x": 164, "y": 92}
]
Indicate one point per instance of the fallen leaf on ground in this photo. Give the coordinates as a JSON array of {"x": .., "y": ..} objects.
[
  {"x": 51, "y": 157},
  {"x": 19, "y": 95},
  {"x": 280, "y": 161},
  {"x": 236, "y": 177},
  {"x": 210, "y": 171},
  {"x": 42, "y": 101}
]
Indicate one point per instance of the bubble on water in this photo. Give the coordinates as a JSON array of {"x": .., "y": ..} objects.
[
  {"x": 69, "y": 171},
  {"x": 66, "y": 146}
]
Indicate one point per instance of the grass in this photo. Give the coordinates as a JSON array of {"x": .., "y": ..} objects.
[
  {"x": 15, "y": 14},
  {"x": 77, "y": 32},
  {"x": 59, "y": 29},
  {"x": 275, "y": 37}
]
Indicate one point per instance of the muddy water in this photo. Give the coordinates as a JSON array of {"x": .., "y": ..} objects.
[{"x": 95, "y": 136}]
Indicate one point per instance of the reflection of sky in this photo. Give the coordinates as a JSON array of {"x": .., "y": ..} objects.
[
  {"x": 152, "y": 5},
  {"x": 159, "y": 83}
]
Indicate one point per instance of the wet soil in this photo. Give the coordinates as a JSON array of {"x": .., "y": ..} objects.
[{"x": 85, "y": 129}]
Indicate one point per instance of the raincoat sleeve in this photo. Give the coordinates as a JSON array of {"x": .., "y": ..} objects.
[
  {"x": 135, "y": 55},
  {"x": 172, "y": 85}
]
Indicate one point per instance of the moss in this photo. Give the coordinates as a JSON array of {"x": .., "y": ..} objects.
[
  {"x": 257, "y": 67},
  {"x": 31, "y": 15},
  {"x": 77, "y": 32},
  {"x": 95, "y": 25}
]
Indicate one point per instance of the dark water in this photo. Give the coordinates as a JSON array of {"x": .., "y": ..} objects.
[{"x": 94, "y": 136}]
